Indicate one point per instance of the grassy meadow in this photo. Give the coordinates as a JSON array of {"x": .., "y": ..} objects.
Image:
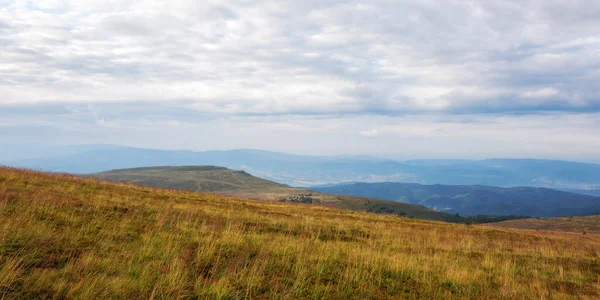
[
  {"x": 583, "y": 224},
  {"x": 67, "y": 237}
]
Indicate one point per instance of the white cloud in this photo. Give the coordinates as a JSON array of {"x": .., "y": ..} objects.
[
  {"x": 310, "y": 75},
  {"x": 295, "y": 57},
  {"x": 541, "y": 93},
  {"x": 369, "y": 133}
]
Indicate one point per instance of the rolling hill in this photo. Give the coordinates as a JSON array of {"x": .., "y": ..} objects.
[
  {"x": 72, "y": 237},
  {"x": 203, "y": 179},
  {"x": 301, "y": 170},
  {"x": 476, "y": 200},
  {"x": 228, "y": 182},
  {"x": 586, "y": 224}
]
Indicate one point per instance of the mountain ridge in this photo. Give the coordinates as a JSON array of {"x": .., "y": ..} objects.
[{"x": 302, "y": 170}]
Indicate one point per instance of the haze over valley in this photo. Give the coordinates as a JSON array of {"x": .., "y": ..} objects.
[{"x": 303, "y": 170}]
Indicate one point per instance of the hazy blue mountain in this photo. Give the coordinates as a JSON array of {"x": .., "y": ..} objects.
[
  {"x": 10, "y": 152},
  {"x": 300, "y": 170},
  {"x": 507, "y": 172},
  {"x": 281, "y": 167},
  {"x": 476, "y": 199}
]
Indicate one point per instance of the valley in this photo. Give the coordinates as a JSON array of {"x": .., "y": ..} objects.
[{"x": 471, "y": 200}]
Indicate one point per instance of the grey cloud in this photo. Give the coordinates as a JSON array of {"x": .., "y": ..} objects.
[{"x": 291, "y": 57}]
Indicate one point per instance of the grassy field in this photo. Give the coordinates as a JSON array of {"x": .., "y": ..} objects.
[
  {"x": 68, "y": 237},
  {"x": 240, "y": 184},
  {"x": 585, "y": 224}
]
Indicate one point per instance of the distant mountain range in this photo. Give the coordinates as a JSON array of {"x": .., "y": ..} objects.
[
  {"x": 300, "y": 170},
  {"x": 471, "y": 200}
]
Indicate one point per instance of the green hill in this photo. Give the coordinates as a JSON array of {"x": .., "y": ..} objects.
[
  {"x": 203, "y": 179},
  {"x": 228, "y": 182},
  {"x": 66, "y": 237}
]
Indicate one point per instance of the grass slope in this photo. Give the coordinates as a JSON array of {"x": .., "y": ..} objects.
[
  {"x": 228, "y": 182},
  {"x": 587, "y": 224},
  {"x": 69, "y": 237},
  {"x": 470, "y": 200},
  {"x": 203, "y": 179}
]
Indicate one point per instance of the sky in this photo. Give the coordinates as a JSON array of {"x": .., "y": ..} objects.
[{"x": 401, "y": 79}]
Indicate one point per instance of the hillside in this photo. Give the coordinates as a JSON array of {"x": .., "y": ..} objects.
[
  {"x": 203, "y": 179},
  {"x": 228, "y": 182},
  {"x": 70, "y": 237},
  {"x": 302, "y": 170},
  {"x": 587, "y": 224},
  {"x": 476, "y": 200}
]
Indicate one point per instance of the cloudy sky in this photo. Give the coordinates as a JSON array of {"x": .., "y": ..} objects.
[{"x": 403, "y": 79}]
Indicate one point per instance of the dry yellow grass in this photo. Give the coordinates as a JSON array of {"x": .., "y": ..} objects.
[
  {"x": 67, "y": 237},
  {"x": 584, "y": 224}
]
